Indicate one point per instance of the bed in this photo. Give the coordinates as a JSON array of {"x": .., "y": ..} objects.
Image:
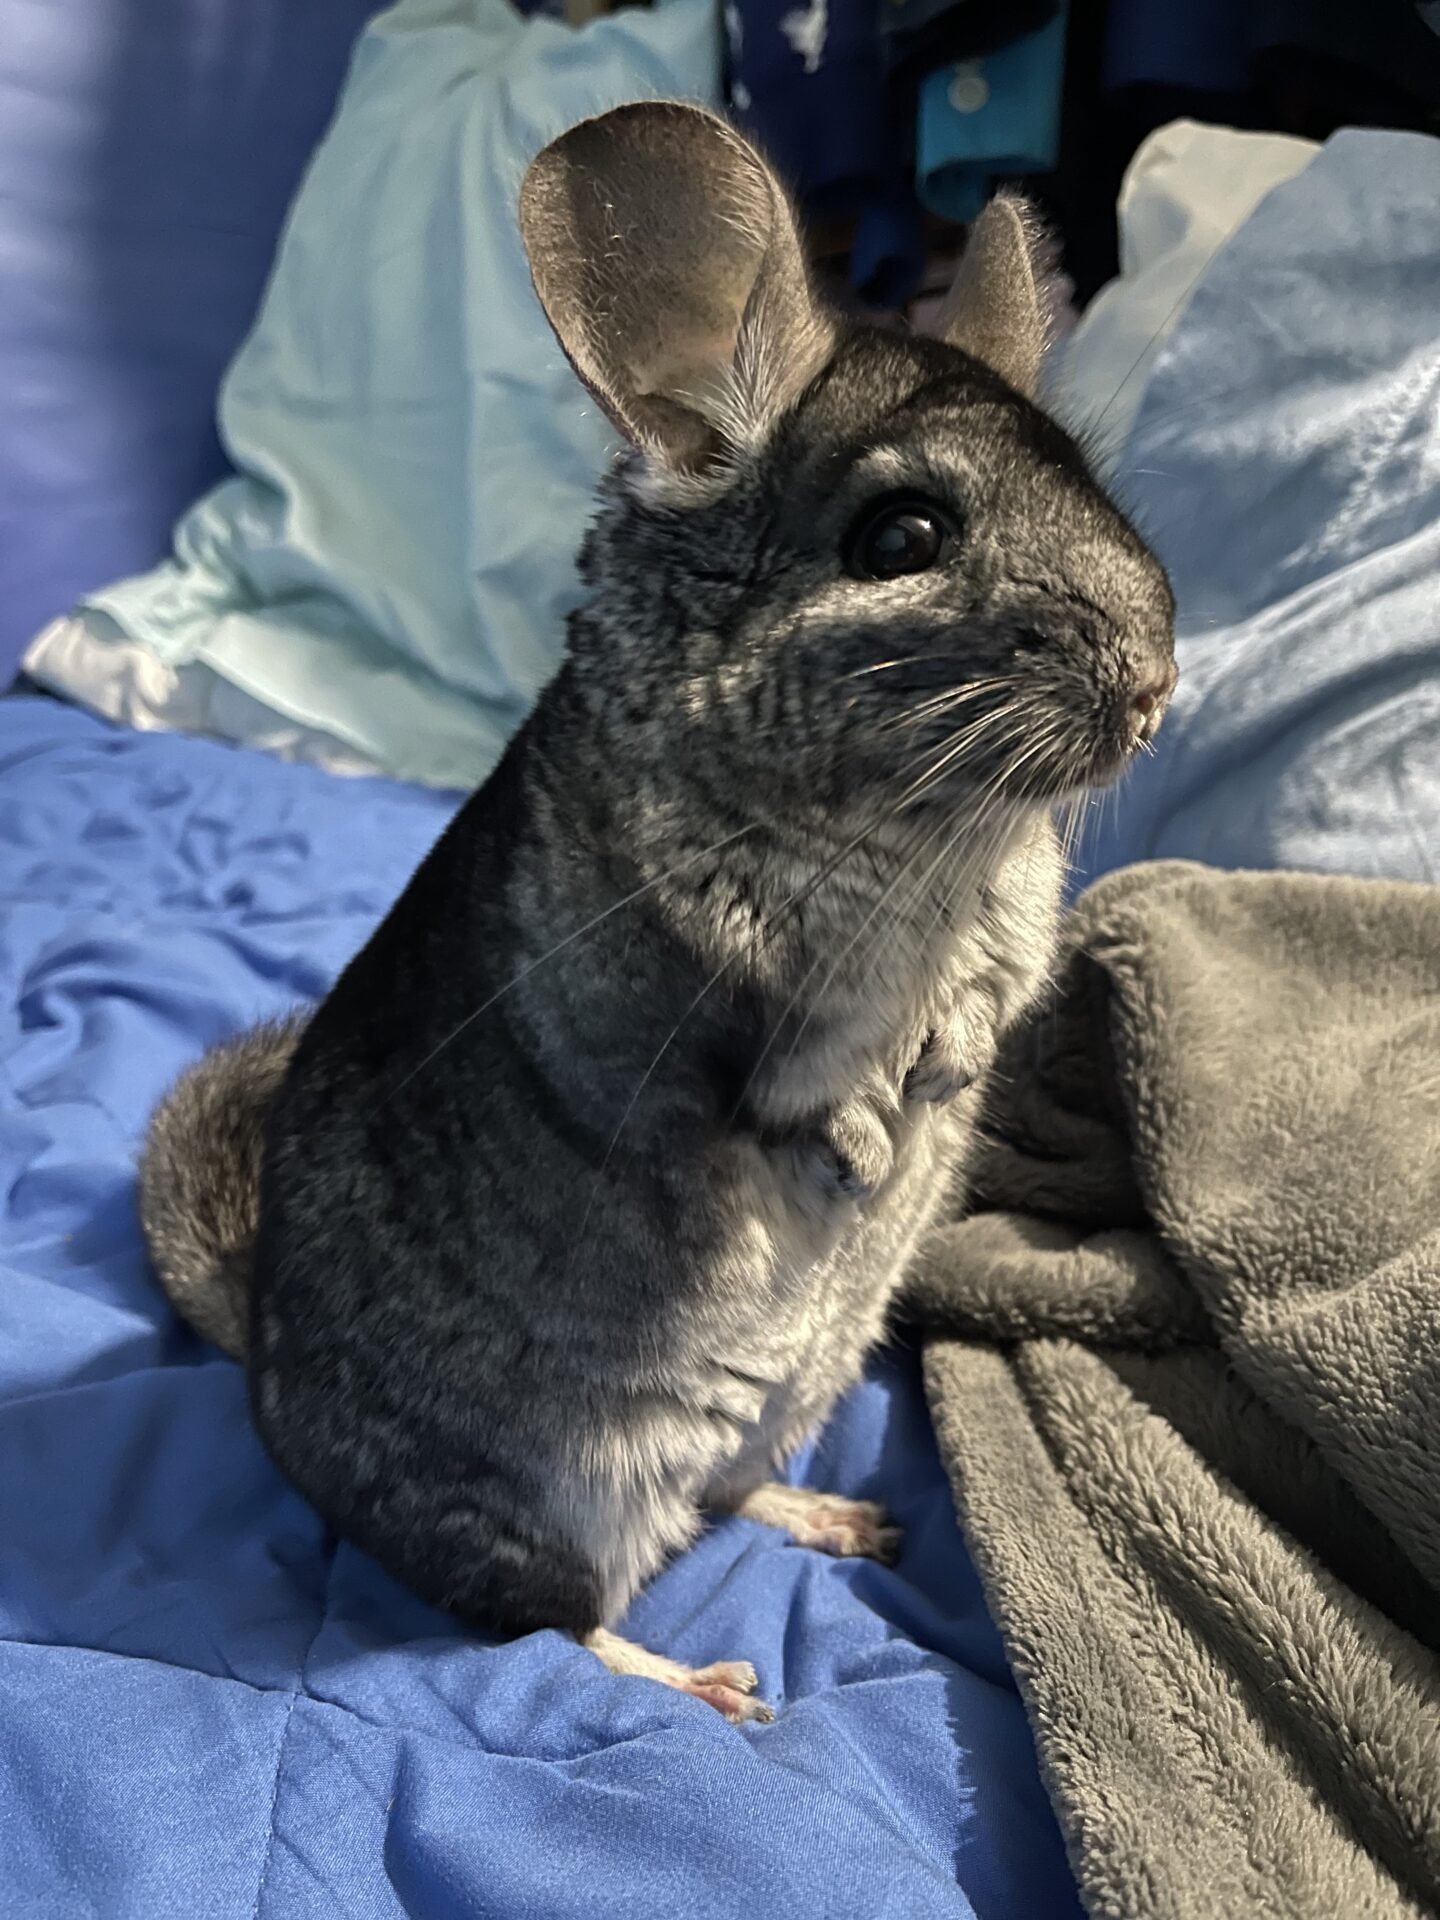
[
  {"x": 213, "y": 1709},
  {"x": 210, "y": 1706}
]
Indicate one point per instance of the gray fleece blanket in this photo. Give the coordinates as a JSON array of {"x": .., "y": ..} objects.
[{"x": 1184, "y": 1366}]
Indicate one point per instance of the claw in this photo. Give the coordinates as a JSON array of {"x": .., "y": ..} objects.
[{"x": 736, "y": 1706}]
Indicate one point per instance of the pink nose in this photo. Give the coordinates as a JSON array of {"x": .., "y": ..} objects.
[{"x": 1148, "y": 704}]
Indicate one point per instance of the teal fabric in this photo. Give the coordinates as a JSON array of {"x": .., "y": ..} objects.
[
  {"x": 393, "y": 561},
  {"x": 989, "y": 119}
]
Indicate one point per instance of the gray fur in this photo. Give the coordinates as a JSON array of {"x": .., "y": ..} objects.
[
  {"x": 997, "y": 306},
  {"x": 593, "y": 1178},
  {"x": 200, "y": 1180},
  {"x": 668, "y": 261},
  {"x": 1184, "y": 1367}
]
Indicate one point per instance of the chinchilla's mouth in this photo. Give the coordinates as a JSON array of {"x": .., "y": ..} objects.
[
  {"x": 1088, "y": 763},
  {"x": 1060, "y": 759}
]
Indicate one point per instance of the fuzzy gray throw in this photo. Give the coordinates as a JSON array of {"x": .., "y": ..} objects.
[{"x": 1184, "y": 1365}]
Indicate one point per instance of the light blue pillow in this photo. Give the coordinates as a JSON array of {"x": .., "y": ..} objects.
[
  {"x": 1286, "y": 463},
  {"x": 393, "y": 564}
]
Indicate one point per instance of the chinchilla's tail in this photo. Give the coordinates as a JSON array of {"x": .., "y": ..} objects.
[{"x": 200, "y": 1180}]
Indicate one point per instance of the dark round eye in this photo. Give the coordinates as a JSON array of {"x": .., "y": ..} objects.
[{"x": 898, "y": 537}]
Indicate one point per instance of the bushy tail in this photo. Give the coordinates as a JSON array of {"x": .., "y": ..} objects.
[{"x": 200, "y": 1180}]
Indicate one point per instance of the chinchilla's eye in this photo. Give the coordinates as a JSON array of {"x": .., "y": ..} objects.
[{"x": 897, "y": 536}]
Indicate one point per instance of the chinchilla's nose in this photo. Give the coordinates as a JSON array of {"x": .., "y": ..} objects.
[{"x": 1148, "y": 697}]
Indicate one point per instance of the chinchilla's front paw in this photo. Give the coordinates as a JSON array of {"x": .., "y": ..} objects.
[
  {"x": 849, "y": 1155},
  {"x": 956, "y": 1054}
]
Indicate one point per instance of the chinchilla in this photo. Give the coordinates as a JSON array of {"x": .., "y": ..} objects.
[{"x": 585, "y": 1192}]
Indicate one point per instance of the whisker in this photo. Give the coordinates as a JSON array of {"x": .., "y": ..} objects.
[
  {"x": 1009, "y": 816},
  {"x": 968, "y": 872},
  {"x": 835, "y": 967},
  {"x": 559, "y": 947},
  {"x": 981, "y": 855},
  {"x": 1073, "y": 815},
  {"x": 889, "y": 666},
  {"x": 1008, "y": 769},
  {"x": 977, "y": 724},
  {"x": 942, "y": 703},
  {"x": 793, "y": 902},
  {"x": 959, "y": 745},
  {"x": 1095, "y": 425}
]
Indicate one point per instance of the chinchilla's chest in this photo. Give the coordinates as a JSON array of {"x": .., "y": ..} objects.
[{"x": 802, "y": 1293}]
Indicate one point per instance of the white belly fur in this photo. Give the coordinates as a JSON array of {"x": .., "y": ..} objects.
[
  {"x": 814, "y": 1347},
  {"x": 797, "y": 1294},
  {"x": 781, "y": 1331}
]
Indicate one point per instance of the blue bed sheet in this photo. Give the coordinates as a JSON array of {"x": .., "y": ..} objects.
[{"x": 212, "y": 1709}]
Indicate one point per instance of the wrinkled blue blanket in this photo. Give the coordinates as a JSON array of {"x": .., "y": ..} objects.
[{"x": 206, "y": 1706}]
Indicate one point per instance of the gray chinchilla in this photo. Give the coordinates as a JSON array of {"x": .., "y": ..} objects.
[{"x": 585, "y": 1192}]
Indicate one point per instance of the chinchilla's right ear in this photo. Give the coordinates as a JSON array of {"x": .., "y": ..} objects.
[
  {"x": 668, "y": 260},
  {"x": 998, "y": 307}
]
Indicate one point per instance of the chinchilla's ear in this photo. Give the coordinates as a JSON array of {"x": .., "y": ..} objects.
[
  {"x": 998, "y": 306},
  {"x": 668, "y": 260}
]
